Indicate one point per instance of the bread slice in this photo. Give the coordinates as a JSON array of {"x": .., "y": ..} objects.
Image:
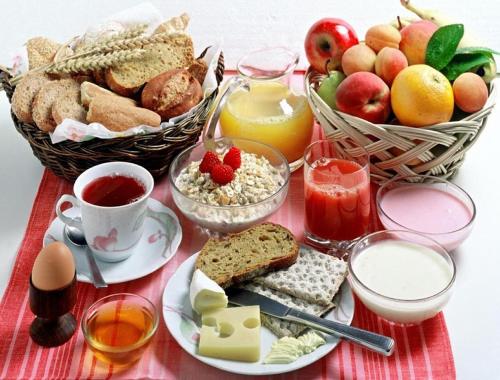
[
  {"x": 24, "y": 94},
  {"x": 44, "y": 100},
  {"x": 120, "y": 116},
  {"x": 90, "y": 90},
  {"x": 41, "y": 51},
  {"x": 242, "y": 256},
  {"x": 69, "y": 107},
  {"x": 127, "y": 78}
]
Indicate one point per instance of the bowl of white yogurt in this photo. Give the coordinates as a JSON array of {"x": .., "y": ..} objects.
[{"x": 402, "y": 276}]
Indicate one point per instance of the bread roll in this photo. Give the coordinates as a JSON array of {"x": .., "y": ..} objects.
[
  {"x": 119, "y": 116},
  {"x": 172, "y": 93},
  {"x": 90, "y": 90}
]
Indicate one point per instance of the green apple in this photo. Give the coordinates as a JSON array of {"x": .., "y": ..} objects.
[{"x": 328, "y": 87}]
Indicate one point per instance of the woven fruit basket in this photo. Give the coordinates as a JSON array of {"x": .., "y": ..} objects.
[
  {"x": 154, "y": 151},
  {"x": 437, "y": 150}
]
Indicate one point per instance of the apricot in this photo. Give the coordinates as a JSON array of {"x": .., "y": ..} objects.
[
  {"x": 389, "y": 63},
  {"x": 358, "y": 58},
  {"x": 414, "y": 40},
  {"x": 381, "y": 36},
  {"x": 470, "y": 92}
]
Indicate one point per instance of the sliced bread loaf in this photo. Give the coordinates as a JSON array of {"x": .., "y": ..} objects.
[
  {"x": 24, "y": 94},
  {"x": 44, "y": 100},
  {"x": 127, "y": 78},
  {"x": 69, "y": 107},
  {"x": 242, "y": 256}
]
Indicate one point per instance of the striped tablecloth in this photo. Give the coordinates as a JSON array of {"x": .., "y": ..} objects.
[{"x": 422, "y": 352}]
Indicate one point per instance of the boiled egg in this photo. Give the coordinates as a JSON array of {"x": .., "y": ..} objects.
[{"x": 54, "y": 267}]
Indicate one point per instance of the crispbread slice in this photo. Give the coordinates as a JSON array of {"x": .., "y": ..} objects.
[
  {"x": 242, "y": 256},
  {"x": 315, "y": 277},
  {"x": 24, "y": 94},
  {"x": 281, "y": 327},
  {"x": 128, "y": 77},
  {"x": 45, "y": 98}
]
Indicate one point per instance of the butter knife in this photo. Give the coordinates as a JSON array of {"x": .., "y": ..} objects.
[{"x": 379, "y": 343}]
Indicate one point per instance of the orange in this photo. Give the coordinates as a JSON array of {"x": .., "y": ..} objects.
[{"x": 421, "y": 96}]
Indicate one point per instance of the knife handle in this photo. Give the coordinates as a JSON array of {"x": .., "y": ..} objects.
[{"x": 379, "y": 343}]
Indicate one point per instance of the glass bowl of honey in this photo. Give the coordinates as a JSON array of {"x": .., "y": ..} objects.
[{"x": 119, "y": 327}]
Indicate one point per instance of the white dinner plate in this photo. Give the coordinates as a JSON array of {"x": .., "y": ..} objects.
[
  {"x": 159, "y": 242},
  {"x": 182, "y": 321}
]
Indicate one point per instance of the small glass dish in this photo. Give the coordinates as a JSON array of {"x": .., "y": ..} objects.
[
  {"x": 428, "y": 205},
  {"x": 231, "y": 218},
  {"x": 402, "y": 310},
  {"x": 119, "y": 327}
]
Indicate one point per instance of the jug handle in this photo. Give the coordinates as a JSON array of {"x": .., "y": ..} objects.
[{"x": 209, "y": 130}]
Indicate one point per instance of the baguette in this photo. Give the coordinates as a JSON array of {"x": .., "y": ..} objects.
[
  {"x": 90, "y": 90},
  {"x": 248, "y": 254},
  {"x": 119, "y": 116}
]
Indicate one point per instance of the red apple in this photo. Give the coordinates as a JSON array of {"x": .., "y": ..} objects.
[
  {"x": 364, "y": 95},
  {"x": 326, "y": 40}
]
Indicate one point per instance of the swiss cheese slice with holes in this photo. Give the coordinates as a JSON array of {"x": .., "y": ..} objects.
[{"x": 232, "y": 334}]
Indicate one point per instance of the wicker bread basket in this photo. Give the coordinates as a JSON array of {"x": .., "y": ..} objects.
[
  {"x": 153, "y": 151},
  {"x": 437, "y": 150}
]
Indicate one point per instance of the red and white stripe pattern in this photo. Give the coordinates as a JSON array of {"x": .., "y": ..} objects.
[{"x": 422, "y": 352}]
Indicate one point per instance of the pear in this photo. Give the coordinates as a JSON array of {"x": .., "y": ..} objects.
[{"x": 328, "y": 87}]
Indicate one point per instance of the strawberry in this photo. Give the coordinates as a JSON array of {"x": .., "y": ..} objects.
[
  {"x": 233, "y": 158},
  {"x": 222, "y": 174},
  {"x": 209, "y": 160}
]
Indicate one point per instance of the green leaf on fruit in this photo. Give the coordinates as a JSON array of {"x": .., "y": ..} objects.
[
  {"x": 462, "y": 63},
  {"x": 443, "y": 44},
  {"x": 476, "y": 49}
]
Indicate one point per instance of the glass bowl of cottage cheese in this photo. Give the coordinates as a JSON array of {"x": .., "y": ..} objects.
[{"x": 258, "y": 189}]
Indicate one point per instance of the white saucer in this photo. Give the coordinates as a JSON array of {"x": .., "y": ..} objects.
[{"x": 159, "y": 242}]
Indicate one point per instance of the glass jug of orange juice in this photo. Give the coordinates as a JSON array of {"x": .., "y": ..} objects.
[{"x": 264, "y": 107}]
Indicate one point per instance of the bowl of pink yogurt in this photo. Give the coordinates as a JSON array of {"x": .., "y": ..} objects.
[{"x": 428, "y": 205}]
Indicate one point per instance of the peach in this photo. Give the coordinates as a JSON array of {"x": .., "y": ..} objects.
[
  {"x": 364, "y": 95},
  {"x": 358, "y": 58},
  {"x": 389, "y": 63},
  {"x": 414, "y": 40},
  {"x": 381, "y": 36},
  {"x": 470, "y": 92}
]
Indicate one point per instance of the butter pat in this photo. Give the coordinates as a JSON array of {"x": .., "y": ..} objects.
[
  {"x": 205, "y": 294},
  {"x": 288, "y": 349},
  {"x": 232, "y": 334}
]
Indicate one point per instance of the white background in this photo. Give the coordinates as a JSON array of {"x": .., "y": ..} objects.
[{"x": 473, "y": 313}]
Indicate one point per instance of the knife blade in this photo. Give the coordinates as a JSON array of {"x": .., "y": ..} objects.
[{"x": 375, "y": 342}]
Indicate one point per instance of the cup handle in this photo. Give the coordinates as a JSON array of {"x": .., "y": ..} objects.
[
  {"x": 209, "y": 129},
  {"x": 73, "y": 222}
]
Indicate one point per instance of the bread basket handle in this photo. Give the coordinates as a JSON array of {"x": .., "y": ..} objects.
[{"x": 211, "y": 124}]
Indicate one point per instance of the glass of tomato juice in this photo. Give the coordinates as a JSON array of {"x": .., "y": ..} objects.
[{"x": 337, "y": 193}]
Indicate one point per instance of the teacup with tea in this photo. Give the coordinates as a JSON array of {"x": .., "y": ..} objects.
[{"x": 112, "y": 198}]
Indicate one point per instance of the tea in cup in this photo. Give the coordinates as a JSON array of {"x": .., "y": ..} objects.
[{"x": 112, "y": 198}]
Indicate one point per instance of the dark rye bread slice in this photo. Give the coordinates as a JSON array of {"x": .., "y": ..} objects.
[
  {"x": 127, "y": 78},
  {"x": 24, "y": 94},
  {"x": 253, "y": 252}
]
